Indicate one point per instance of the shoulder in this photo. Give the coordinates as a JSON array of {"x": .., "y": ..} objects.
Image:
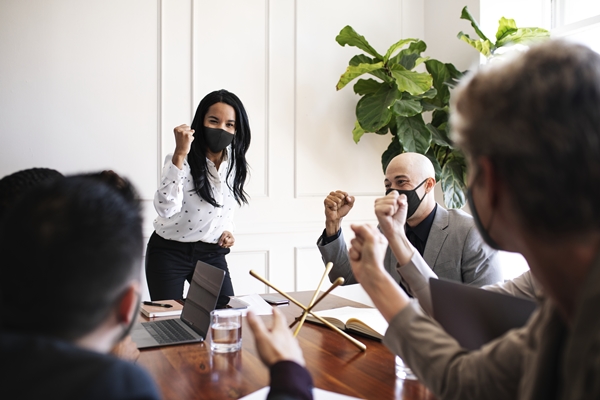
[
  {"x": 123, "y": 379},
  {"x": 69, "y": 372},
  {"x": 457, "y": 221}
]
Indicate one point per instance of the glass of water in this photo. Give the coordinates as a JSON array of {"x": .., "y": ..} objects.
[
  {"x": 402, "y": 370},
  {"x": 225, "y": 331}
]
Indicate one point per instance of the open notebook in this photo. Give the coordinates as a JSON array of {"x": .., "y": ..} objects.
[{"x": 366, "y": 321}]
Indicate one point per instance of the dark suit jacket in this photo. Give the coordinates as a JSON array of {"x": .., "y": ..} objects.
[
  {"x": 45, "y": 368},
  {"x": 454, "y": 250}
]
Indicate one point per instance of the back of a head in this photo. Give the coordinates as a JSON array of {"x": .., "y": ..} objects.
[
  {"x": 69, "y": 249},
  {"x": 14, "y": 185},
  {"x": 537, "y": 118}
]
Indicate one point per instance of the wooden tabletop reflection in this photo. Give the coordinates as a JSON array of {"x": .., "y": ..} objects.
[{"x": 193, "y": 372}]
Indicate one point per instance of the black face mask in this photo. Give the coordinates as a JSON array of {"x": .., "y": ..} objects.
[
  {"x": 217, "y": 139},
  {"x": 412, "y": 198},
  {"x": 482, "y": 231}
]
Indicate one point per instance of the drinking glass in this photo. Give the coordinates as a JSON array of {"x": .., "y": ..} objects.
[{"x": 225, "y": 331}]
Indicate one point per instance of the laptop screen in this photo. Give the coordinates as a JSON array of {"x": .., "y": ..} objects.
[
  {"x": 202, "y": 297},
  {"x": 475, "y": 316}
]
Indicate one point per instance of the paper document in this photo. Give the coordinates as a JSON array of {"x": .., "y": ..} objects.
[
  {"x": 318, "y": 394},
  {"x": 256, "y": 304}
]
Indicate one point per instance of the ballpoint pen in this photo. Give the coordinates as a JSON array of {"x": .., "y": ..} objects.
[{"x": 149, "y": 303}]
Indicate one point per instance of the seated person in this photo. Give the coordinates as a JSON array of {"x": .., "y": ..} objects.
[
  {"x": 446, "y": 239},
  {"x": 70, "y": 290},
  {"x": 413, "y": 270},
  {"x": 14, "y": 185},
  {"x": 529, "y": 127}
]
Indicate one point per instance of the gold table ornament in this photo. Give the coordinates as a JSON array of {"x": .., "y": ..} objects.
[{"x": 308, "y": 310}]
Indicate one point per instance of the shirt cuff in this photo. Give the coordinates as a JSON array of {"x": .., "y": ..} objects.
[
  {"x": 173, "y": 173},
  {"x": 325, "y": 240},
  {"x": 290, "y": 378}
]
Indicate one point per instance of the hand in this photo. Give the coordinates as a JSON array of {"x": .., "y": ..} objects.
[
  {"x": 366, "y": 257},
  {"x": 184, "y": 136},
  {"x": 367, "y": 253},
  {"x": 277, "y": 343},
  {"x": 337, "y": 205},
  {"x": 126, "y": 349},
  {"x": 391, "y": 214},
  {"x": 226, "y": 240}
]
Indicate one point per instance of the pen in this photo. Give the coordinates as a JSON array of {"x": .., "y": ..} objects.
[{"x": 149, "y": 303}]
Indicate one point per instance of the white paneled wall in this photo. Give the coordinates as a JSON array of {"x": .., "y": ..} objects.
[{"x": 101, "y": 84}]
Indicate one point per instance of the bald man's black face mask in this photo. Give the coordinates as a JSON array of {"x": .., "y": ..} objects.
[{"x": 412, "y": 198}]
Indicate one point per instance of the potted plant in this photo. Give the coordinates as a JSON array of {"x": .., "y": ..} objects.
[
  {"x": 399, "y": 98},
  {"x": 396, "y": 101}
]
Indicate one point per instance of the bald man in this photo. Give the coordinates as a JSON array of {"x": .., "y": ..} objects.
[{"x": 446, "y": 239}]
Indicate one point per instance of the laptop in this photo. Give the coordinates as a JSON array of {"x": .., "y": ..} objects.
[
  {"x": 192, "y": 326},
  {"x": 475, "y": 316}
]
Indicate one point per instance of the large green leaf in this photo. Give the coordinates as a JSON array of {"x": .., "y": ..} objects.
[
  {"x": 407, "y": 108},
  {"x": 439, "y": 117},
  {"x": 363, "y": 59},
  {"x": 353, "y": 72},
  {"x": 453, "y": 181},
  {"x": 357, "y": 132},
  {"x": 393, "y": 48},
  {"x": 366, "y": 86},
  {"x": 465, "y": 14},
  {"x": 441, "y": 75},
  {"x": 505, "y": 28},
  {"x": 392, "y": 151},
  {"x": 436, "y": 165},
  {"x": 373, "y": 110},
  {"x": 410, "y": 81},
  {"x": 524, "y": 36},
  {"x": 485, "y": 47},
  {"x": 409, "y": 57},
  {"x": 438, "y": 136},
  {"x": 413, "y": 134},
  {"x": 348, "y": 36}
]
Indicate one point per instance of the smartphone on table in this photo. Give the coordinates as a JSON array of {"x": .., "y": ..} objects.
[{"x": 275, "y": 300}]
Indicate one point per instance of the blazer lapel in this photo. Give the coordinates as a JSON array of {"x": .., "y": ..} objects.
[{"x": 437, "y": 236}]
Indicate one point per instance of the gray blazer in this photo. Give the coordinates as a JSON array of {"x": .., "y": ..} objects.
[{"x": 454, "y": 250}]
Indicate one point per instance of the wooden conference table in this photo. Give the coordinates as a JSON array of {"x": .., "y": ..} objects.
[{"x": 192, "y": 372}]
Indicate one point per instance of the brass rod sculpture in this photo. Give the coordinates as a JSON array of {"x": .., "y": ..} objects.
[
  {"x": 312, "y": 300},
  {"x": 338, "y": 282},
  {"x": 358, "y": 344}
]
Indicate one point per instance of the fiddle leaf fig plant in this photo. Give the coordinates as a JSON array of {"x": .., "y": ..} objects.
[
  {"x": 394, "y": 100},
  {"x": 507, "y": 35}
]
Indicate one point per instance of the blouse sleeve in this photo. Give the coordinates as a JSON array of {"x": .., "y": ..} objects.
[{"x": 169, "y": 196}]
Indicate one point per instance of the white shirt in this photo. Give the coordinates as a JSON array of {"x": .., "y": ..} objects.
[{"x": 186, "y": 217}]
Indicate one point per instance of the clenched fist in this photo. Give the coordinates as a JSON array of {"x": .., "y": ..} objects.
[
  {"x": 184, "y": 136},
  {"x": 337, "y": 205}
]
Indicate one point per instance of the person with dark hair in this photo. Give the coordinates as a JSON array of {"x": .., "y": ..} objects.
[
  {"x": 83, "y": 241},
  {"x": 14, "y": 185},
  {"x": 530, "y": 129},
  {"x": 201, "y": 183}
]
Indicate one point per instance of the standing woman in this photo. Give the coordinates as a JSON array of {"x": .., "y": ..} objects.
[{"x": 200, "y": 185}]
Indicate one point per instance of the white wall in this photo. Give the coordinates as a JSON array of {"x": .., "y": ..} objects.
[{"x": 100, "y": 85}]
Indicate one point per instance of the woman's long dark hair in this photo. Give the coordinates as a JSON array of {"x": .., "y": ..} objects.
[{"x": 239, "y": 147}]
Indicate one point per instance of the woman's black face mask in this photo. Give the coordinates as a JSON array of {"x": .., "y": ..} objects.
[
  {"x": 217, "y": 139},
  {"x": 412, "y": 198}
]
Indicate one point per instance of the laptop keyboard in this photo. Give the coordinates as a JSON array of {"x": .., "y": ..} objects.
[{"x": 167, "y": 331}]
